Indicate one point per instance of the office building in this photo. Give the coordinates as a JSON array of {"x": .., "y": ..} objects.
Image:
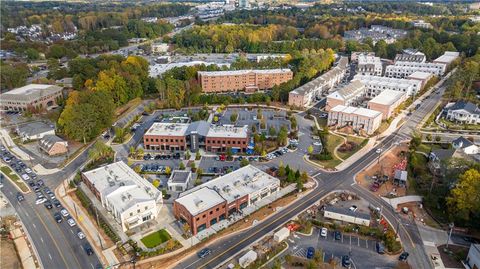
[
  {"x": 167, "y": 136},
  {"x": 350, "y": 95},
  {"x": 362, "y": 120},
  {"x": 242, "y": 80},
  {"x": 128, "y": 197},
  {"x": 386, "y": 102},
  {"x": 218, "y": 199},
  {"x": 31, "y": 97}
]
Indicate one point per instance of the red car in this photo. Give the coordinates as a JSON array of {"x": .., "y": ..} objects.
[
  {"x": 223, "y": 157},
  {"x": 375, "y": 186}
]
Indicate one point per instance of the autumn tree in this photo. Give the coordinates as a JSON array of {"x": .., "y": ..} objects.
[{"x": 463, "y": 199}]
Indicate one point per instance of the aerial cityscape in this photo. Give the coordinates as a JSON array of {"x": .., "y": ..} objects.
[{"x": 240, "y": 134}]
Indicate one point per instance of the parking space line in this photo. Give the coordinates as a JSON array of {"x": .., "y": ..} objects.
[
  {"x": 358, "y": 241},
  {"x": 366, "y": 243}
]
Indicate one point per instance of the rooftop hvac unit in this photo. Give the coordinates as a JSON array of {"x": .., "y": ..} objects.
[
  {"x": 236, "y": 183},
  {"x": 199, "y": 203},
  {"x": 226, "y": 188},
  {"x": 124, "y": 198},
  {"x": 215, "y": 188}
]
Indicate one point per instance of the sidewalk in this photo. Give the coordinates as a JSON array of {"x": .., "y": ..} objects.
[
  {"x": 345, "y": 164},
  {"x": 7, "y": 140},
  {"x": 81, "y": 217}
]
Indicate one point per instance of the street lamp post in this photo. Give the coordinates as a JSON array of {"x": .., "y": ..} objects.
[{"x": 451, "y": 225}]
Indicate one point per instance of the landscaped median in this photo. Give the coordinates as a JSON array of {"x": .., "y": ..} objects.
[{"x": 14, "y": 178}]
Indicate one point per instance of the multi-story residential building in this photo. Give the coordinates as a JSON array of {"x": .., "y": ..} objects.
[
  {"x": 360, "y": 119},
  {"x": 355, "y": 54},
  {"x": 207, "y": 204},
  {"x": 422, "y": 24},
  {"x": 376, "y": 33},
  {"x": 130, "y": 199},
  {"x": 462, "y": 112},
  {"x": 375, "y": 85},
  {"x": 447, "y": 58},
  {"x": 166, "y": 136},
  {"x": 386, "y": 102},
  {"x": 160, "y": 47},
  {"x": 369, "y": 65},
  {"x": 421, "y": 77},
  {"x": 410, "y": 55},
  {"x": 405, "y": 69},
  {"x": 242, "y": 80},
  {"x": 32, "y": 96},
  {"x": 306, "y": 94},
  {"x": 350, "y": 95}
]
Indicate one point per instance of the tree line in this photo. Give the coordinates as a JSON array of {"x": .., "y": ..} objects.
[{"x": 109, "y": 82}]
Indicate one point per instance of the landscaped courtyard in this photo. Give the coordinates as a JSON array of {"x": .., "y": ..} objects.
[{"x": 155, "y": 239}]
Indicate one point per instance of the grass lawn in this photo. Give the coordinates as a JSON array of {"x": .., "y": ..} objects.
[
  {"x": 332, "y": 142},
  {"x": 356, "y": 140},
  {"x": 10, "y": 174},
  {"x": 154, "y": 239},
  {"x": 428, "y": 147}
]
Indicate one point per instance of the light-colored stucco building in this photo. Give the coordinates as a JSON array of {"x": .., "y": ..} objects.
[
  {"x": 360, "y": 119},
  {"x": 130, "y": 199},
  {"x": 350, "y": 95},
  {"x": 375, "y": 85},
  {"x": 369, "y": 65},
  {"x": 32, "y": 96}
]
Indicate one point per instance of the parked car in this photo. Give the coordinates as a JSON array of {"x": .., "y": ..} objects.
[
  {"x": 346, "y": 261},
  {"x": 324, "y": 232},
  {"x": 56, "y": 203},
  {"x": 48, "y": 205},
  {"x": 40, "y": 201},
  {"x": 88, "y": 249},
  {"x": 71, "y": 222},
  {"x": 337, "y": 235},
  {"x": 403, "y": 257},
  {"x": 64, "y": 212},
  {"x": 310, "y": 252},
  {"x": 353, "y": 208},
  {"x": 375, "y": 186},
  {"x": 58, "y": 217},
  {"x": 80, "y": 234},
  {"x": 379, "y": 248},
  {"x": 204, "y": 253}
]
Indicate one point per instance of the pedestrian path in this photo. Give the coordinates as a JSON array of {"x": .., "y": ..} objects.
[{"x": 7, "y": 140}]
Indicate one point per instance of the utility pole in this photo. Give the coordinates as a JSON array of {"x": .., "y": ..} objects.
[{"x": 451, "y": 225}]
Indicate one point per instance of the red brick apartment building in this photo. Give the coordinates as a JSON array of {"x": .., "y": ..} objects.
[{"x": 242, "y": 80}]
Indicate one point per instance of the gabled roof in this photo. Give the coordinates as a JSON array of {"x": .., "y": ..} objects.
[
  {"x": 467, "y": 106},
  {"x": 461, "y": 143},
  {"x": 48, "y": 141},
  {"x": 443, "y": 154},
  {"x": 34, "y": 128}
]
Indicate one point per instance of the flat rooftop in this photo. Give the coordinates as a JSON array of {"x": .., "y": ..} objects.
[
  {"x": 365, "y": 112},
  {"x": 31, "y": 92},
  {"x": 168, "y": 129},
  {"x": 244, "y": 72},
  {"x": 447, "y": 57},
  {"x": 368, "y": 79},
  {"x": 239, "y": 183},
  {"x": 179, "y": 176},
  {"x": 387, "y": 97},
  {"x": 420, "y": 75},
  {"x": 202, "y": 199},
  {"x": 118, "y": 183},
  {"x": 347, "y": 212},
  {"x": 229, "y": 131}
]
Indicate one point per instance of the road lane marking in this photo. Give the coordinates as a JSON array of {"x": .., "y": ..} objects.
[
  {"x": 92, "y": 266},
  {"x": 41, "y": 239},
  {"x": 50, "y": 256},
  {"x": 34, "y": 226}
]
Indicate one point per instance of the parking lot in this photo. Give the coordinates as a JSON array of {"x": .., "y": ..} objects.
[
  {"x": 273, "y": 118},
  {"x": 213, "y": 165},
  {"x": 361, "y": 251}
]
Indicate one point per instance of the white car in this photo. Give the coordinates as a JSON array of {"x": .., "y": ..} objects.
[
  {"x": 28, "y": 170},
  {"x": 25, "y": 177},
  {"x": 71, "y": 222},
  {"x": 64, "y": 212},
  {"x": 317, "y": 143},
  {"x": 40, "y": 201},
  {"x": 378, "y": 151},
  {"x": 353, "y": 208},
  {"x": 80, "y": 235},
  {"x": 324, "y": 232}
]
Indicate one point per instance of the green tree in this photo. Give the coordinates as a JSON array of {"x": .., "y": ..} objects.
[
  {"x": 156, "y": 183},
  {"x": 197, "y": 155},
  {"x": 244, "y": 162},
  {"x": 199, "y": 172},
  {"x": 168, "y": 170},
  {"x": 272, "y": 132},
  {"x": 99, "y": 151},
  {"x": 181, "y": 166},
  {"x": 463, "y": 199},
  {"x": 187, "y": 155},
  {"x": 233, "y": 117},
  {"x": 281, "y": 171},
  {"x": 32, "y": 54}
]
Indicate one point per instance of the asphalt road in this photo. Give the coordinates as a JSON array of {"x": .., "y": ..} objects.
[{"x": 225, "y": 248}]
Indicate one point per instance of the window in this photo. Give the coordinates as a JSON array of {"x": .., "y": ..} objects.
[
  {"x": 204, "y": 216},
  {"x": 198, "y": 219},
  {"x": 217, "y": 209},
  {"x": 211, "y": 212},
  {"x": 146, "y": 207},
  {"x": 131, "y": 214}
]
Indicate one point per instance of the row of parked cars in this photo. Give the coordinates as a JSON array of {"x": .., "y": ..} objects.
[
  {"x": 149, "y": 156},
  {"x": 153, "y": 168},
  {"x": 276, "y": 153},
  {"x": 44, "y": 195}
]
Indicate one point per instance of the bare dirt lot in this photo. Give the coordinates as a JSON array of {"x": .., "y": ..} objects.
[
  {"x": 9, "y": 258},
  {"x": 385, "y": 167}
]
